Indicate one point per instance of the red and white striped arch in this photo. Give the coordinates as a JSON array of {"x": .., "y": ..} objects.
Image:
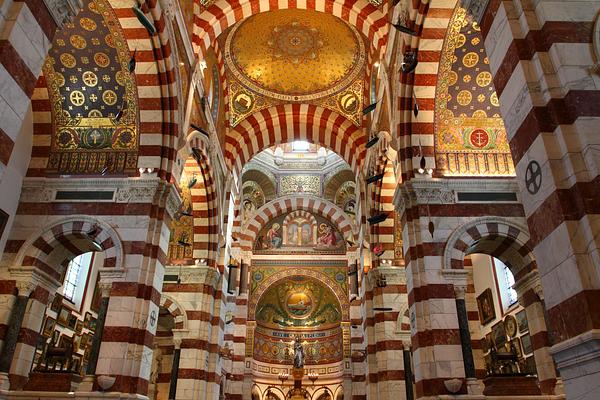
[
  {"x": 51, "y": 250},
  {"x": 507, "y": 240},
  {"x": 289, "y": 122},
  {"x": 175, "y": 309},
  {"x": 430, "y": 19},
  {"x": 209, "y": 23},
  {"x": 204, "y": 203},
  {"x": 286, "y": 204}
]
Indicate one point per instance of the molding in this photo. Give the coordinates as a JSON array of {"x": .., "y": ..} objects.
[
  {"x": 28, "y": 278},
  {"x": 443, "y": 191},
  {"x": 126, "y": 190},
  {"x": 458, "y": 278},
  {"x": 194, "y": 274},
  {"x": 576, "y": 351},
  {"x": 63, "y": 11}
]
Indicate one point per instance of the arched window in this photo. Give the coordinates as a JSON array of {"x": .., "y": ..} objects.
[
  {"x": 506, "y": 280},
  {"x": 76, "y": 277}
]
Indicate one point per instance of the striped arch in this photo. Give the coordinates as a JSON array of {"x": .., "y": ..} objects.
[
  {"x": 212, "y": 21},
  {"x": 51, "y": 250},
  {"x": 289, "y": 122},
  {"x": 205, "y": 197},
  {"x": 282, "y": 205},
  {"x": 170, "y": 304},
  {"x": 506, "y": 240},
  {"x": 382, "y": 197},
  {"x": 156, "y": 91},
  {"x": 430, "y": 19}
]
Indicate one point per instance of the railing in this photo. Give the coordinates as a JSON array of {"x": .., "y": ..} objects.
[{"x": 460, "y": 163}]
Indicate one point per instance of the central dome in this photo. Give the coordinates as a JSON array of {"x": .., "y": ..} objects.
[{"x": 295, "y": 55}]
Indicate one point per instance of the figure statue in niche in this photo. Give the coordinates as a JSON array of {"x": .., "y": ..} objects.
[
  {"x": 326, "y": 236},
  {"x": 274, "y": 236},
  {"x": 298, "y": 353}
]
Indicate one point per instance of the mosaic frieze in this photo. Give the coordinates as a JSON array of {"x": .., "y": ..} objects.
[
  {"x": 93, "y": 95},
  {"x": 470, "y": 134}
]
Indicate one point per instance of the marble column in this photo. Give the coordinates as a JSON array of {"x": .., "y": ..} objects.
[
  {"x": 88, "y": 382},
  {"x": 14, "y": 327},
  {"x": 175, "y": 370},
  {"x": 408, "y": 374},
  {"x": 458, "y": 278}
]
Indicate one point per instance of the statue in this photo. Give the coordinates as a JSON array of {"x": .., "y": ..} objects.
[{"x": 298, "y": 353}]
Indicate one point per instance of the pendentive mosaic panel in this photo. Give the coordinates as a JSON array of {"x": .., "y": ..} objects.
[
  {"x": 311, "y": 57},
  {"x": 93, "y": 96},
  {"x": 470, "y": 135}
]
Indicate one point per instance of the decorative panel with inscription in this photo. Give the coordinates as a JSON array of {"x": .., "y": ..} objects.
[
  {"x": 470, "y": 135},
  {"x": 93, "y": 96}
]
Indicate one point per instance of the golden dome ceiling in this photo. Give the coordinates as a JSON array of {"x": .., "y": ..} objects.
[{"x": 295, "y": 55}]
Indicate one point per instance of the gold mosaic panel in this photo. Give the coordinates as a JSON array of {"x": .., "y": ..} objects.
[
  {"x": 292, "y": 184},
  {"x": 89, "y": 84},
  {"x": 470, "y": 134},
  {"x": 295, "y": 56}
]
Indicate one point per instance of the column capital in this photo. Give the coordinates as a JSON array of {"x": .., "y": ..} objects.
[
  {"x": 178, "y": 336},
  {"x": 458, "y": 278},
  {"x": 530, "y": 281},
  {"x": 28, "y": 278},
  {"x": 63, "y": 11}
]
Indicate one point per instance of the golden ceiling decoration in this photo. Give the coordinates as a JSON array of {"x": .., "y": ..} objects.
[
  {"x": 470, "y": 134},
  {"x": 295, "y": 56},
  {"x": 93, "y": 96}
]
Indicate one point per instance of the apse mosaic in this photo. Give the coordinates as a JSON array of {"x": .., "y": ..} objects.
[
  {"x": 93, "y": 95},
  {"x": 470, "y": 134},
  {"x": 298, "y": 306},
  {"x": 296, "y": 303},
  {"x": 312, "y": 57},
  {"x": 299, "y": 232}
]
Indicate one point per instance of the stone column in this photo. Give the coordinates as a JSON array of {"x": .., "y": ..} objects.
[
  {"x": 459, "y": 280},
  {"x": 408, "y": 374},
  {"x": 530, "y": 296},
  {"x": 14, "y": 327},
  {"x": 88, "y": 381},
  {"x": 175, "y": 369}
]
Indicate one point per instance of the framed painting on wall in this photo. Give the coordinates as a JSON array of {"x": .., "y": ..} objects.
[
  {"x": 499, "y": 334},
  {"x": 522, "y": 321},
  {"x": 49, "y": 327},
  {"x": 56, "y": 303},
  {"x": 485, "y": 303},
  {"x": 63, "y": 317}
]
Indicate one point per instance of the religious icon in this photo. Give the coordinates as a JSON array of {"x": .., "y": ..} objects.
[
  {"x": 326, "y": 236},
  {"x": 274, "y": 236},
  {"x": 485, "y": 302}
]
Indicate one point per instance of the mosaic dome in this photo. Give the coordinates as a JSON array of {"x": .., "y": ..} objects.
[{"x": 308, "y": 54}]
